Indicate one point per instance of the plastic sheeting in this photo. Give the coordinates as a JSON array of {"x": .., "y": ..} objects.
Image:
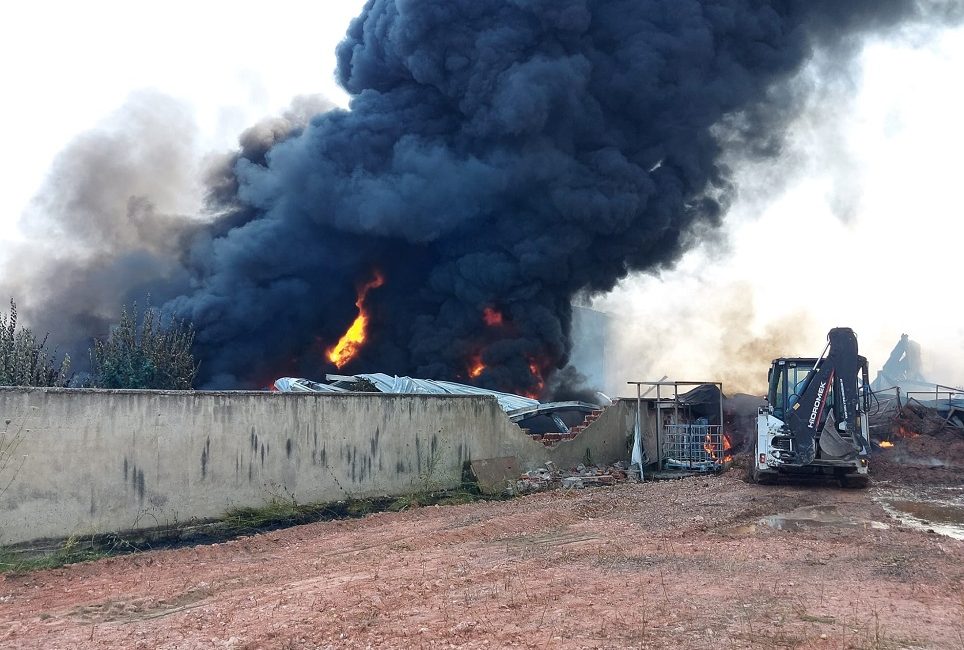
[
  {"x": 294, "y": 385},
  {"x": 408, "y": 386}
]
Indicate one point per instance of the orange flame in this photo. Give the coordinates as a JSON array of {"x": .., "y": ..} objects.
[
  {"x": 492, "y": 317},
  {"x": 352, "y": 340},
  {"x": 886, "y": 443},
  {"x": 709, "y": 446},
  {"x": 904, "y": 432},
  {"x": 540, "y": 382},
  {"x": 476, "y": 367},
  {"x": 712, "y": 451}
]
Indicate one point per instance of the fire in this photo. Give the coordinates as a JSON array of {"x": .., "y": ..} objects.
[
  {"x": 492, "y": 317},
  {"x": 712, "y": 451},
  {"x": 537, "y": 376},
  {"x": 352, "y": 340},
  {"x": 886, "y": 443},
  {"x": 476, "y": 366},
  {"x": 904, "y": 432},
  {"x": 709, "y": 446}
]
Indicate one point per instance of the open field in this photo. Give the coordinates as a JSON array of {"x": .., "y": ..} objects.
[{"x": 690, "y": 564}]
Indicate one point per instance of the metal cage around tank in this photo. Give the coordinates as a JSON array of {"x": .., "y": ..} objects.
[
  {"x": 689, "y": 447},
  {"x": 699, "y": 447}
]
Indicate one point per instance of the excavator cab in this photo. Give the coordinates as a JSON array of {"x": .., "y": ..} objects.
[{"x": 787, "y": 381}]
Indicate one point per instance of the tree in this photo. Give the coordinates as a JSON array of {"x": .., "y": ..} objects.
[
  {"x": 25, "y": 361},
  {"x": 153, "y": 355}
]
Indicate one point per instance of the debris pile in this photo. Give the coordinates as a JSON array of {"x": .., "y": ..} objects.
[
  {"x": 919, "y": 442},
  {"x": 581, "y": 476},
  {"x": 914, "y": 419},
  {"x": 739, "y": 419}
]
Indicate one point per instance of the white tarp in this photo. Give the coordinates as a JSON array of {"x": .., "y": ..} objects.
[
  {"x": 294, "y": 385},
  {"x": 409, "y": 386}
]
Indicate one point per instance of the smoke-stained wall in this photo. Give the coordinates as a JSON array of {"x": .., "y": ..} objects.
[{"x": 80, "y": 462}]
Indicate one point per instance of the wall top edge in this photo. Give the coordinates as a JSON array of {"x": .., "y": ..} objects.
[{"x": 228, "y": 393}]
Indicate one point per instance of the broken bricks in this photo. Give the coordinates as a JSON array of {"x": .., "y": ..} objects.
[{"x": 548, "y": 477}]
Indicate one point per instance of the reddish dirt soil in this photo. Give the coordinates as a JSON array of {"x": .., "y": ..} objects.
[{"x": 683, "y": 564}]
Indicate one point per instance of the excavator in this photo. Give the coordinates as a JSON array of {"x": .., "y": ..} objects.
[{"x": 814, "y": 422}]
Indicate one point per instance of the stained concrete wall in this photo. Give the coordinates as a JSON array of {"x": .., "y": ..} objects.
[
  {"x": 605, "y": 441},
  {"x": 83, "y": 462}
]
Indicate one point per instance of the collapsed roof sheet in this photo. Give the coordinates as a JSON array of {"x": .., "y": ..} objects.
[
  {"x": 408, "y": 386},
  {"x": 296, "y": 385}
]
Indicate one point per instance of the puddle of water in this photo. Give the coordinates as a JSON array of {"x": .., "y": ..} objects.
[
  {"x": 942, "y": 516},
  {"x": 822, "y": 516},
  {"x": 940, "y": 513}
]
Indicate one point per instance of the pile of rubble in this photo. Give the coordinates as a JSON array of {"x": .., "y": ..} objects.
[
  {"x": 919, "y": 442},
  {"x": 915, "y": 418},
  {"x": 581, "y": 476}
]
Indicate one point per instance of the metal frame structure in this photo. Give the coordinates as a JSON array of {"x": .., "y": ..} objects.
[
  {"x": 954, "y": 408},
  {"x": 939, "y": 389},
  {"x": 679, "y": 431}
]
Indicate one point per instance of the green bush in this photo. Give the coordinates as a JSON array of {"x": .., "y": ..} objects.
[
  {"x": 25, "y": 361},
  {"x": 153, "y": 355}
]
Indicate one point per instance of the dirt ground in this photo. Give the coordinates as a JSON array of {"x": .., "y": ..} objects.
[{"x": 688, "y": 564}]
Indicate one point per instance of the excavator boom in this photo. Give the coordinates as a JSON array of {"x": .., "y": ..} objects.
[
  {"x": 833, "y": 380},
  {"x": 815, "y": 421}
]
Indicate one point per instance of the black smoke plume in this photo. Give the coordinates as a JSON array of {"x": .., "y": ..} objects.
[{"x": 502, "y": 155}]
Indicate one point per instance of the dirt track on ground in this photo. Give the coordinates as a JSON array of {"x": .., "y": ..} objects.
[{"x": 674, "y": 564}]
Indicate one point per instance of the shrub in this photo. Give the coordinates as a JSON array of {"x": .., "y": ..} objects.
[
  {"x": 152, "y": 355},
  {"x": 25, "y": 361}
]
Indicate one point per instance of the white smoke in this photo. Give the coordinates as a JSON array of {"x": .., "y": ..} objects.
[{"x": 857, "y": 224}]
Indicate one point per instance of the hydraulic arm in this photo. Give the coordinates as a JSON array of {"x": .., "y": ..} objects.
[{"x": 833, "y": 381}]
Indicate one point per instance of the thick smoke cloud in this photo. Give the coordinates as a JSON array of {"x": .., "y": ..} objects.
[
  {"x": 115, "y": 219},
  {"x": 501, "y": 154}
]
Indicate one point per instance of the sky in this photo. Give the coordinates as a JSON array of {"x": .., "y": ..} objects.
[
  {"x": 66, "y": 66},
  {"x": 858, "y": 223}
]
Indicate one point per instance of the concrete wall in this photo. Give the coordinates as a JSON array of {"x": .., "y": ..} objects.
[
  {"x": 604, "y": 441},
  {"x": 622, "y": 417},
  {"x": 91, "y": 461}
]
